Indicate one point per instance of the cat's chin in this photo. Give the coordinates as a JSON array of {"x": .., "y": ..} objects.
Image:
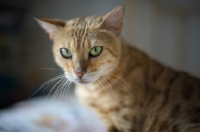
[{"x": 82, "y": 82}]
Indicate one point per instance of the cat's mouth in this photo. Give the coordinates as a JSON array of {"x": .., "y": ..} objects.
[
  {"x": 80, "y": 81},
  {"x": 83, "y": 80}
]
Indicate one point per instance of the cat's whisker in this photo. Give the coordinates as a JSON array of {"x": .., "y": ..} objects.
[
  {"x": 106, "y": 92},
  {"x": 122, "y": 80},
  {"x": 47, "y": 68},
  {"x": 65, "y": 90},
  {"x": 68, "y": 87},
  {"x": 61, "y": 91},
  {"x": 52, "y": 82},
  {"x": 55, "y": 78},
  {"x": 57, "y": 90},
  {"x": 121, "y": 86},
  {"x": 115, "y": 99},
  {"x": 55, "y": 86},
  {"x": 47, "y": 82},
  {"x": 110, "y": 89}
]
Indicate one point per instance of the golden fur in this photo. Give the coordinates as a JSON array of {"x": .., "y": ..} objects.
[{"x": 129, "y": 91}]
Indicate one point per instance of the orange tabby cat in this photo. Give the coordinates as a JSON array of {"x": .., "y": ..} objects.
[{"x": 129, "y": 91}]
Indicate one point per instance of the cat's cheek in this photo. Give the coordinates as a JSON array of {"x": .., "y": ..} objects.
[
  {"x": 58, "y": 61},
  {"x": 105, "y": 69},
  {"x": 69, "y": 77},
  {"x": 67, "y": 66}
]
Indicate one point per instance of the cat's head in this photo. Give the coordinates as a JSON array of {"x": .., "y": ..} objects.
[{"x": 86, "y": 48}]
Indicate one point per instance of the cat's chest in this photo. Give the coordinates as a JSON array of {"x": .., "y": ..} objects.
[
  {"x": 89, "y": 96},
  {"x": 114, "y": 108},
  {"x": 85, "y": 92},
  {"x": 105, "y": 99}
]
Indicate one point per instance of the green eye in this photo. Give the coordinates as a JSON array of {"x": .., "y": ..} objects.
[
  {"x": 95, "y": 51},
  {"x": 65, "y": 53}
]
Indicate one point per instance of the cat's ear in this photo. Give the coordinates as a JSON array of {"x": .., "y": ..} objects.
[
  {"x": 113, "y": 20},
  {"x": 52, "y": 27}
]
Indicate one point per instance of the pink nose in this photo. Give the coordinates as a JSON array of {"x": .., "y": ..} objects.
[{"x": 79, "y": 74}]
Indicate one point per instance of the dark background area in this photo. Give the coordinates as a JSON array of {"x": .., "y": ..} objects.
[
  {"x": 26, "y": 60},
  {"x": 168, "y": 30},
  {"x": 17, "y": 76}
]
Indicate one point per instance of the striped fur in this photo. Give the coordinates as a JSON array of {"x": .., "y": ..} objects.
[{"x": 129, "y": 91}]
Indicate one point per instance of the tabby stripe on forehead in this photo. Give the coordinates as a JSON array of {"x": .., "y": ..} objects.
[
  {"x": 79, "y": 35},
  {"x": 75, "y": 37},
  {"x": 84, "y": 35}
]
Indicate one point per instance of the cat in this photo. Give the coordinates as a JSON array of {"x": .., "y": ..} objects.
[{"x": 129, "y": 91}]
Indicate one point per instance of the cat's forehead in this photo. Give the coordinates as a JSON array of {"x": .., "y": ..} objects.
[
  {"x": 85, "y": 33},
  {"x": 82, "y": 22},
  {"x": 79, "y": 30}
]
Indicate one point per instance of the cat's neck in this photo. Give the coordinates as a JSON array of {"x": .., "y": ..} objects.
[{"x": 131, "y": 57}]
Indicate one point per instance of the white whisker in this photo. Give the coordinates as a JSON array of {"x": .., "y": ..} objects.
[
  {"x": 65, "y": 89},
  {"x": 55, "y": 86},
  {"x": 68, "y": 87},
  {"x": 107, "y": 94},
  {"x": 49, "y": 81},
  {"x": 122, "y": 80},
  {"x": 122, "y": 87},
  {"x": 62, "y": 87},
  {"x": 44, "y": 68},
  {"x": 56, "y": 78},
  {"x": 58, "y": 90},
  {"x": 111, "y": 92}
]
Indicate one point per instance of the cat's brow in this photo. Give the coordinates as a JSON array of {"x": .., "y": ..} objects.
[{"x": 80, "y": 34}]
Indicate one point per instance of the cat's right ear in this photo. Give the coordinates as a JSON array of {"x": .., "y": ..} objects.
[{"x": 52, "y": 27}]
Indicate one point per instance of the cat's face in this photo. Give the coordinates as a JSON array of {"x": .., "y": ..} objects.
[{"x": 86, "y": 48}]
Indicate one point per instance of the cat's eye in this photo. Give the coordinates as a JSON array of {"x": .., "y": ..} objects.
[
  {"x": 65, "y": 53},
  {"x": 95, "y": 51}
]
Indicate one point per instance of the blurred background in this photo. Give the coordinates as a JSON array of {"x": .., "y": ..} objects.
[{"x": 168, "y": 30}]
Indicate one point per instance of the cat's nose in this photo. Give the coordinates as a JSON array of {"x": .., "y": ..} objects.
[{"x": 79, "y": 74}]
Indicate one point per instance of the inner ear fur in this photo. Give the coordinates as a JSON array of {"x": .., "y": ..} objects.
[
  {"x": 113, "y": 20},
  {"x": 51, "y": 26},
  {"x": 53, "y": 21}
]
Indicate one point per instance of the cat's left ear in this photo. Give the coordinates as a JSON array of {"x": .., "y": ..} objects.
[
  {"x": 52, "y": 27},
  {"x": 113, "y": 20}
]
